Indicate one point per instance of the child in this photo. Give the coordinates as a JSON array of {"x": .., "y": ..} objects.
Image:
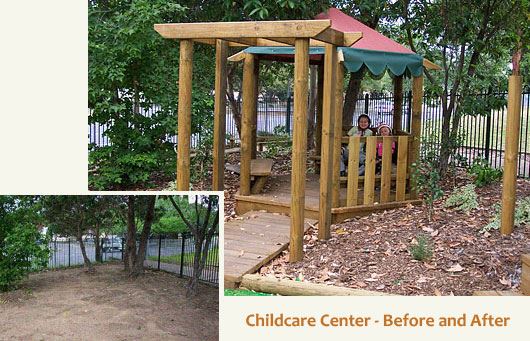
[
  {"x": 362, "y": 129},
  {"x": 383, "y": 130}
]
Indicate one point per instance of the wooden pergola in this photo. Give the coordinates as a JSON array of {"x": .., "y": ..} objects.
[{"x": 302, "y": 34}]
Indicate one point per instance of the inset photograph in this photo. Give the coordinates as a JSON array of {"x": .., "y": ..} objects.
[{"x": 109, "y": 267}]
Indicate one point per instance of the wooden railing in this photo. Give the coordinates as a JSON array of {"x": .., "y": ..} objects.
[{"x": 388, "y": 174}]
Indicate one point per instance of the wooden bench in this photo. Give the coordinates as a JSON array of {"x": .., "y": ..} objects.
[
  {"x": 262, "y": 141},
  {"x": 260, "y": 170}
]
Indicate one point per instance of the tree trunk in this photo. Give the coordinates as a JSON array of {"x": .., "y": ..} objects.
[
  {"x": 144, "y": 238},
  {"x": 97, "y": 244},
  {"x": 350, "y": 100},
  {"x": 234, "y": 102},
  {"x": 86, "y": 260},
  {"x": 193, "y": 283},
  {"x": 130, "y": 248}
]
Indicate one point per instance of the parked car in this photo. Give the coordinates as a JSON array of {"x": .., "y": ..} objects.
[{"x": 112, "y": 245}]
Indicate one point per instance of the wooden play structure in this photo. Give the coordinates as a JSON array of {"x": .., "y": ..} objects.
[{"x": 336, "y": 43}]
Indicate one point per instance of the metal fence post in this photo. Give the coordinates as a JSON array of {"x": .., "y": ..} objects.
[
  {"x": 288, "y": 114},
  {"x": 182, "y": 255},
  {"x": 366, "y": 103},
  {"x": 68, "y": 251},
  {"x": 409, "y": 110},
  {"x": 159, "y": 249},
  {"x": 488, "y": 137}
]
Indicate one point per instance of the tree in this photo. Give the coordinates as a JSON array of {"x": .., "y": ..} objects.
[
  {"x": 71, "y": 215},
  {"x": 138, "y": 206},
  {"x": 203, "y": 222},
  {"x": 467, "y": 38},
  {"x": 22, "y": 246}
]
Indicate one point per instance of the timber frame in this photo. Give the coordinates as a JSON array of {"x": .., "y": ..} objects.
[{"x": 301, "y": 34}]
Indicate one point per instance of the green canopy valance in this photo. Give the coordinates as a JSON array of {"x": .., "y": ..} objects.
[{"x": 377, "y": 62}]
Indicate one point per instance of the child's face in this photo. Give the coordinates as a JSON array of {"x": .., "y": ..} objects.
[
  {"x": 384, "y": 131},
  {"x": 364, "y": 123}
]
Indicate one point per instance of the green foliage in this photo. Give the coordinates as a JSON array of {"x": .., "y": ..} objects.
[
  {"x": 22, "y": 247},
  {"x": 482, "y": 173},
  {"x": 131, "y": 69},
  {"x": 463, "y": 198},
  {"x": 422, "y": 250},
  {"x": 521, "y": 216},
  {"x": 169, "y": 222}
]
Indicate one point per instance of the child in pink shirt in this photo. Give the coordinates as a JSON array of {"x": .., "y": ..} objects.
[{"x": 384, "y": 130}]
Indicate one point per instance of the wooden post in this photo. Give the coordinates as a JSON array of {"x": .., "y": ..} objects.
[
  {"x": 415, "y": 128},
  {"x": 398, "y": 104},
  {"x": 326, "y": 157},
  {"x": 255, "y": 79},
  {"x": 249, "y": 107},
  {"x": 298, "y": 175},
  {"x": 318, "y": 134},
  {"x": 184, "y": 115},
  {"x": 509, "y": 178},
  {"x": 339, "y": 100},
  {"x": 219, "y": 124}
]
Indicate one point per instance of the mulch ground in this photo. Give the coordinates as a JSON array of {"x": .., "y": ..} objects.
[{"x": 373, "y": 252}]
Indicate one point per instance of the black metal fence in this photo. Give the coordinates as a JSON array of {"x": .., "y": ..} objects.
[
  {"x": 482, "y": 135},
  {"x": 169, "y": 253}
]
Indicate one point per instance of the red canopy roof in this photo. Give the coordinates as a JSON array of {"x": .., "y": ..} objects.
[{"x": 371, "y": 40}]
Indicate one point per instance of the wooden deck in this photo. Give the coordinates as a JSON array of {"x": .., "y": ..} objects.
[
  {"x": 251, "y": 242},
  {"x": 276, "y": 197}
]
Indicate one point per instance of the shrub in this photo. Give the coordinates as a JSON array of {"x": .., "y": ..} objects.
[
  {"x": 522, "y": 216},
  {"x": 463, "y": 198},
  {"x": 22, "y": 246},
  {"x": 422, "y": 250},
  {"x": 482, "y": 173}
]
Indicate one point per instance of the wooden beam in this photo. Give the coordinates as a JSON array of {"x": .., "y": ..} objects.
[
  {"x": 509, "y": 178},
  {"x": 219, "y": 130},
  {"x": 415, "y": 126},
  {"x": 430, "y": 65},
  {"x": 326, "y": 157},
  {"x": 249, "y": 105},
  {"x": 337, "y": 132},
  {"x": 351, "y": 38},
  {"x": 287, "y": 287},
  {"x": 525, "y": 274},
  {"x": 237, "y": 57},
  {"x": 245, "y": 29},
  {"x": 298, "y": 175},
  {"x": 398, "y": 104},
  {"x": 330, "y": 36},
  {"x": 184, "y": 115}
]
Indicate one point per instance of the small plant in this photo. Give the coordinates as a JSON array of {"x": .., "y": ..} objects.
[
  {"x": 463, "y": 198},
  {"x": 482, "y": 173},
  {"x": 426, "y": 179},
  {"x": 521, "y": 217},
  {"x": 422, "y": 250}
]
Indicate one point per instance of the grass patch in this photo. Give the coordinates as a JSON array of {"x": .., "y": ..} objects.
[
  {"x": 237, "y": 292},
  {"x": 212, "y": 260}
]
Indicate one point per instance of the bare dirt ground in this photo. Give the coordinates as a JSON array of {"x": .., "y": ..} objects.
[
  {"x": 73, "y": 305},
  {"x": 373, "y": 252}
]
